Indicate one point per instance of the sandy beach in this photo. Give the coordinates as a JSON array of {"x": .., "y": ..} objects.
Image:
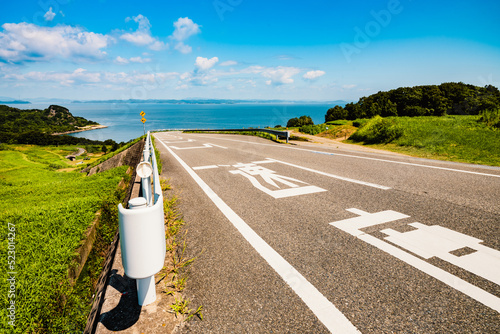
[{"x": 85, "y": 128}]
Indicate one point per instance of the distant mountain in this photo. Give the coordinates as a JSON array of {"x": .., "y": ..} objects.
[
  {"x": 50, "y": 100},
  {"x": 210, "y": 101},
  {"x": 10, "y": 100}
]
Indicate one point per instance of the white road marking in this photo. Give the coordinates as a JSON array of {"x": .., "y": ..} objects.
[
  {"x": 281, "y": 193},
  {"x": 218, "y": 146},
  {"x": 205, "y": 167},
  {"x": 353, "y": 226},
  {"x": 437, "y": 241},
  {"x": 180, "y": 141},
  {"x": 333, "y": 176},
  {"x": 324, "y": 310},
  {"x": 197, "y": 147},
  {"x": 263, "y": 162},
  {"x": 366, "y": 158}
]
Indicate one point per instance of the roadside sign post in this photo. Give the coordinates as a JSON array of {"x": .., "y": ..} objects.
[{"x": 143, "y": 120}]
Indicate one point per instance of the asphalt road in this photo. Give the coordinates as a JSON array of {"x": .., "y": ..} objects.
[{"x": 305, "y": 239}]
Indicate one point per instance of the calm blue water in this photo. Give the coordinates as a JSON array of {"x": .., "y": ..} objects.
[{"x": 123, "y": 119}]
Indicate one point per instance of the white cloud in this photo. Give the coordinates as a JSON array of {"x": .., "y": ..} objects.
[
  {"x": 349, "y": 86},
  {"x": 49, "y": 16},
  {"x": 204, "y": 64},
  {"x": 279, "y": 75},
  {"x": 311, "y": 75},
  {"x": 21, "y": 42},
  {"x": 123, "y": 61},
  {"x": 120, "y": 60},
  {"x": 183, "y": 48},
  {"x": 184, "y": 28},
  {"x": 203, "y": 74},
  {"x": 64, "y": 78},
  {"x": 82, "y": 76},
  {"x": 229, "y": 63},
  {"x": 140, "y": 60},
  {"x": 142, "y": 36},
  {"x": 138, "y": 38}
]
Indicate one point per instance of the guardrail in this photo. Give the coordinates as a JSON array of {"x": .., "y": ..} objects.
[
  {"x": 280, "y": 134},
  {"x": 142, "y": 229}
]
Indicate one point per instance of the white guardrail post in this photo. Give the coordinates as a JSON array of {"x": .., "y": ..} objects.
[{"x": 142, "y": 229}]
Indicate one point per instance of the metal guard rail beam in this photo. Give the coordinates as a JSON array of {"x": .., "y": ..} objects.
[{"x": 282, "y": 134}]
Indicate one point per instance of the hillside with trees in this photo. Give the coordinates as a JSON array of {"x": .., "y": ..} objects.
[
  {"x": 430, "y": 100},
  {"x": 51, "y": 120},
  {"x": 35, "y": 126}
]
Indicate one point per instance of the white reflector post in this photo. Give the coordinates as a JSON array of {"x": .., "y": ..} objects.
[
  {"x": 142, "y": 240},
  {"x": 146, "y": 290}
]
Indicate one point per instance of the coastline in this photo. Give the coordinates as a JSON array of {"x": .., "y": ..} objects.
[{"x": 86, "y": 128}]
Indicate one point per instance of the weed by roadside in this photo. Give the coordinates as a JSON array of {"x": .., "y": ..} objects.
[{"x": 176, "y": 273}]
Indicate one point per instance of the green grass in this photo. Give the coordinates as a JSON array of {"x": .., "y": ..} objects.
[
  {"x": 454, "y": 138},
  {"x": 50, "y": 211}
]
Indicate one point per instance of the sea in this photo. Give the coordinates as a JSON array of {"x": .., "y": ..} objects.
[{"x": 123, "y": 120}]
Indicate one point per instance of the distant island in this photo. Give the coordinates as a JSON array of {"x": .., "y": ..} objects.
[
  {"x": 15, "y": 102},
  {"x": 43, "y": 127}
]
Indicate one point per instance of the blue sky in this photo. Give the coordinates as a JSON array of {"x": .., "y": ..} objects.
[{"x": 242, "y": 49}]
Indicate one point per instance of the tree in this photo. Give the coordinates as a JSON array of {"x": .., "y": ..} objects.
[
  {"x": 104, "y": 149},
  {"x": 301, "y": 121},
  {"x": 335, "y": 113}
]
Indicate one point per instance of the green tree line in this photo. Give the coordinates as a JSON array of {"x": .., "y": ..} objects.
[{"x": 430, "y": 100}]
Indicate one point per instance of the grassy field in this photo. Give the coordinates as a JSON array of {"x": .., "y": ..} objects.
[{"x": 44, "y": 213}]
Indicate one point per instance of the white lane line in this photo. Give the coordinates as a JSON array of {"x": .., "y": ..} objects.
[
  {"x": 218, "y": 146},
  {"x": 205, "y": 167},
  {"x": 324, "y": 310},
  {"x": 332, "y": 175},
  {"x": 366, "y": 158}
]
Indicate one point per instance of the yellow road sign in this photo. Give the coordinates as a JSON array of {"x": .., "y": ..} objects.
[
  {"x": 142, "y": 113},
  {"x": 143, "y": 120}
]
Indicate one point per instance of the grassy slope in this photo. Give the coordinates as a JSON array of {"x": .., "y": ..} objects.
[
  {"x": 50, "y": 210},
  {"x": 453, "y": 138}
]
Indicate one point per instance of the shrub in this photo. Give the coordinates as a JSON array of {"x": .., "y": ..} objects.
[
  {"x": 491, "y": 117},
  {"x": 313, "y": 129},
  {"x": 378, "y": 130}
]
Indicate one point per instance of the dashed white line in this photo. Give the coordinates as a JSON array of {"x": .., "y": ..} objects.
[{"x": 333, "y": 176}]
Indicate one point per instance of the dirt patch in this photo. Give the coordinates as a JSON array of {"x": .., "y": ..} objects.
[{"x": 339, "y": 133}]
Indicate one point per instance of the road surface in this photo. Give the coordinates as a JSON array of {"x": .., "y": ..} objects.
[{"x": 311, "y": 239}]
